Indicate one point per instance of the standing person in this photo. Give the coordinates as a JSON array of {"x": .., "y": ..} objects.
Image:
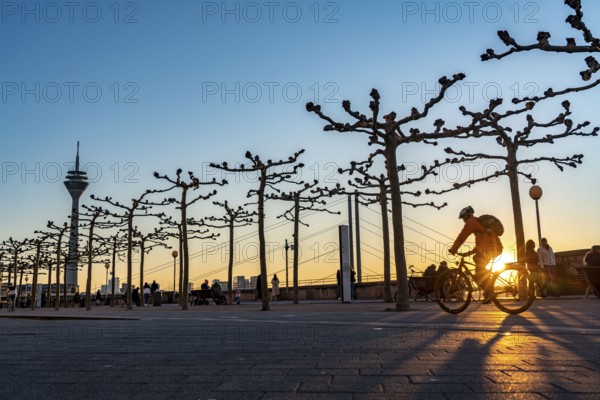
[
  {"x": 153, "y": 287},
  {"x": 592, "y": 257},
  {"x": 135, "y": 296},
  {"x": 11, "y": 295},
  {"x": 532, "y": 260},
  {"x": 487, "y": 247},
  {"x": 238, "y": 296},
  {"x": 275, "y": 288},
  {"x": 548, "y": 264},
  {"x": 98, "y": 297},
  {"x": 76, "y": 299},
  {"x": 147, "y": 293},
  {"x": 259, "y": 288}
]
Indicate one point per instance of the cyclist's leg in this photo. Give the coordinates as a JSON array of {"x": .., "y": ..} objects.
[{"x": 482, "y": 276}]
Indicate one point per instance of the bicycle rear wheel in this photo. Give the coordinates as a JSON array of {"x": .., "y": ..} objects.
[
  {"x": 513, "y": 290},
  {"x": 453, "y": 291}
]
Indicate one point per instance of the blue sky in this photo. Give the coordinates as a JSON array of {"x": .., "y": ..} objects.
[{"x": 162, "y": 85}]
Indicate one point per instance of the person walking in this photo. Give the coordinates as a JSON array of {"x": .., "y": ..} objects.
[
  {"x": 592, "y": 257},
  {"x": 11, "y": 295},
  {"x": 275, "y": 288},
  {"x": 548, "y": 263},
  {"x": 135, "y": 296},
  {"x": 147, "y": 293},
  {"x": 533, "y": 265}
]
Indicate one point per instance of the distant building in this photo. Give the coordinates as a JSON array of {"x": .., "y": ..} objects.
[
  {"x": 108, "y": 286},
  {"x": 239, "y": 282}
]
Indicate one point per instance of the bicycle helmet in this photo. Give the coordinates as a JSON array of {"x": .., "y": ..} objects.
[{"x": 465, "y": 211}]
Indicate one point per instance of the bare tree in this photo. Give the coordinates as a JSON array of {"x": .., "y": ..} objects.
[
  {"x": 531, "y": 134},
  {"x": 138, "y": 208},
  {"x": 146, "y": 243},
  {"x": 370, "y": 188},
  {"x": 15, "y": 248},
  {"x": 302, "y": 201},
  {"x": 233, "y": 218},
  {"x": 182, "y": 204},
  {"x": 592, "y": 45},
  {"x": 270, "y": 174},
  {"x": 40, "y": 248},
  {"x": 90, "y": 218},
  {"x": 58, "y": 232},
  {"x": 388, "y": 135}
]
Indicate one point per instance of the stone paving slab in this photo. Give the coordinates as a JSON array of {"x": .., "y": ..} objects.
[{"x": 317, "y": 350}]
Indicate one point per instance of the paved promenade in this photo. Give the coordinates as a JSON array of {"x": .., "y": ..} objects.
[{"x": 315, "y": 350}]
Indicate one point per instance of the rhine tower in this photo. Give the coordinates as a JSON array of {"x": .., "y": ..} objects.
[{"x": 76, "y": 184}]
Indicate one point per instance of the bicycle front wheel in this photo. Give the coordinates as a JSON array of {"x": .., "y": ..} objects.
[
  {"x": 453, "y": 291},
  {"x": 513, "y": 290}
]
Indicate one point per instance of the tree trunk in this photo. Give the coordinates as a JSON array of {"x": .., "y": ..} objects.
[
  {"x": 48, "y": 292},
  {"x": 513, "y": 178},
  {"x": 180, "y": 267},
  {"x": 295, "y": 296},
  {"x": 385, "y": 227},
  {"x": 129, "y": 259},
  {"x": 57, "y": 293},
  {"x": 112, "y": 280},
  {"x": 141, "y": 289},
  {"x": 36, "y": 268},
  {"x": 65, "y": 280},
  {"x": 19, "y": 287},
  {"x": 262, "y": 242},
  {"x": 402, "y": 299},
  {"x": 186, "y": 255},
  {"x": 88, "y": 284},
  {"x": 15, "y": 260},
  {"x": 231, "y": 254}
]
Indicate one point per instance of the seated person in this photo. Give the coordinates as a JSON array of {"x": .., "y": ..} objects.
[
  {"x": 205, "y": 286},
  {"x": 430, "y": 271},
  {"x": 217, "y": 294},
  {"x": 443, "y": 267}
]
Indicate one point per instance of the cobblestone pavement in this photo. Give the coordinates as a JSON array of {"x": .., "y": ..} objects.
[{"x": 315, "y": 350}]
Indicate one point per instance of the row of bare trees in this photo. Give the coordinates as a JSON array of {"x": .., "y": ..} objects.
[
  {"x": 513, "y": 127},
  {"x": 496, "y": 122}
]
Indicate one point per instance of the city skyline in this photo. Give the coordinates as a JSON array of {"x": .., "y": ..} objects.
[{"x": 153, "y": 87}]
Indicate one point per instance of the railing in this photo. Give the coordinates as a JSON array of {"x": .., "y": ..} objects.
[{"x": 318, "y": 282}]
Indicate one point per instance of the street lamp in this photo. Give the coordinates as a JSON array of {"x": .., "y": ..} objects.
[
  {"x": 287, "y": 287},
  {"x": 535, "y": 192},
  {"x": 174, "y": 254}
]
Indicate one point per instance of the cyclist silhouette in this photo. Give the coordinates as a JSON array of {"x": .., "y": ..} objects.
[{"x": 487, "y": 247}]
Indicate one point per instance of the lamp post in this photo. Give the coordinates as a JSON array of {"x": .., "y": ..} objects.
[
  {"x": 535, "y": 192},
  {"x": 287, "y": 287},
  {"x": 174, "y": 254},
  {"x": 26, "y": 290},
  {"x": 107, "y": 266}
]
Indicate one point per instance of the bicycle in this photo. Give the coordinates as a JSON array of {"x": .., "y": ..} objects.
[{"x": 513, "y": 288}]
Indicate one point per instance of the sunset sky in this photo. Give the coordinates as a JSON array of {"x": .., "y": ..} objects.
[{"x": 156, "y": 86}]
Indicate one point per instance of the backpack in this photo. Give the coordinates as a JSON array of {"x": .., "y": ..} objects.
[{"x": 491, "y": 224}]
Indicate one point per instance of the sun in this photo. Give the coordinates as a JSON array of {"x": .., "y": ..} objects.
[{"x": 498, "y": 263}]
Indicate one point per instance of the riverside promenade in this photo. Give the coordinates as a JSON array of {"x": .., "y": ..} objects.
[{"x": 314, "y": 350}]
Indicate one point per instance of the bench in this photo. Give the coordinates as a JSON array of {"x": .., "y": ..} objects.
[
  {"x": 591, "y": 275},
  {"x": 422, "y": 287},
  {"x": 205, "y": 297}
]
